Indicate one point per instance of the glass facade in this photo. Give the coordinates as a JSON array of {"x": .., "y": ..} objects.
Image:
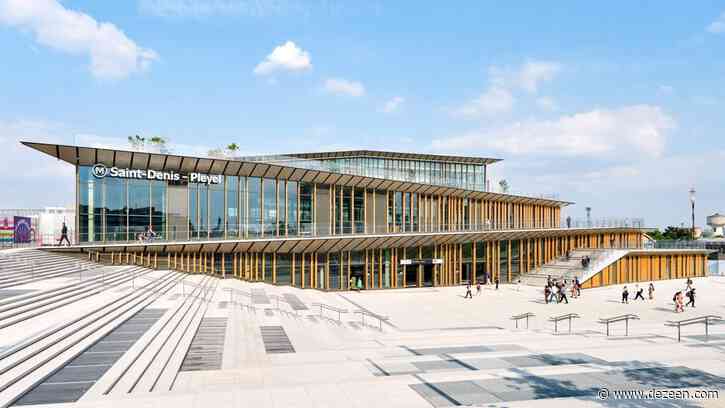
[
  {"x": 449, "y": 174},
  {"x": 121, "y": 209}
]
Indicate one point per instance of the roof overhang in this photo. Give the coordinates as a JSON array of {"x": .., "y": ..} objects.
[
  {"x": 481, "y": 161},
  {"x": 88, "y": 156},
  {"x": 336, "y": 243}
]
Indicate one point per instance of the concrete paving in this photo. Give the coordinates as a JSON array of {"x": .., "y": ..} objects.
[{"x": 437, "y": 350}]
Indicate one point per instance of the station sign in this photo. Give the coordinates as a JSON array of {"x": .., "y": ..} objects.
[
  {"x": 434, "y": 261},
  {"x": 101, "y": 171}
]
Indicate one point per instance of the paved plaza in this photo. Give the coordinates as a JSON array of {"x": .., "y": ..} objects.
[
  {"x": 161, "y": 338},
  {"x": 204, "y": 341}
]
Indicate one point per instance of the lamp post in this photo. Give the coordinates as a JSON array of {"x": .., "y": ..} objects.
[{"x": 692, "y": 202}]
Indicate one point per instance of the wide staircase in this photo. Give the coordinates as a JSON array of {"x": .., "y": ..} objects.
[{"x": 571, "y": 267}]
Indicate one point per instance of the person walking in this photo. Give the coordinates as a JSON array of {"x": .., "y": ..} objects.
[
  {"x": 651, "y": 291},
  {"x": 478, "y": 288},
  {"x": 562, "y": 293},
  {"x": 468, "y": 292},
  {"x": 497, "y": 283},
  {"x": 63, "y": 235},
  {"x": 691, "y": 296},
  {"x": 639, "y": 293},
  {"x": 625, "y": 295},
  {"x": 679, "y": 307},
  {"x": 547, "y": 293},
  {"x": 578, "y": 286},
  {"x": 552, "y": 293}
]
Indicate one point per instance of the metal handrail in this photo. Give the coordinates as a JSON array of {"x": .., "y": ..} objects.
[
  {"x": 281, "y": 298},
  {"x": 625, "y": 317},
  {"x": 526, "y": 316},
  {"x": 339, "y": 311},
  {"x": 380, "y": 318},
  {"x": 557, "y": 319},
  {"x": 707, "y": 319},
  {"x": 240, "y": 292}
]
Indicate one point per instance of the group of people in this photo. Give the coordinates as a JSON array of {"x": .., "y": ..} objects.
[
  {"x": 679, "y": 300},
  {"x": 639, "y": 293},
  {"x": 555, "y": 290},
  {"x": 487, "y": 281}
]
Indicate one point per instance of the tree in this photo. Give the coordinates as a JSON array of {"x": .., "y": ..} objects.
[
  {"x": 504, "y": 186},
  {"x": 671, "y": 233},
  {"x": 160, "y": 143},
  {"x": 216, "y": 153},
  {"x": 137, "y": 142},
  {"x": 232, "y": 148}
]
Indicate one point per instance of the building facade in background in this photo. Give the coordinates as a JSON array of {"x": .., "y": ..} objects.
[
  {"x": 331, "y": 220},
  {"x": 43, "y": 225}
]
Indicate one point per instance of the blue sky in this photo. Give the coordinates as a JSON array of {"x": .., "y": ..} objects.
[{"x": 612, "y": 105}]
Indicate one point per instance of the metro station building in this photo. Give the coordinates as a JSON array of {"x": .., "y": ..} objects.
[{"x": 332, "y": 220}]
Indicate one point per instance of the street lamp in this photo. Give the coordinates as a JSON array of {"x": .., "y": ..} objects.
[{"x": 692, "y": 202}]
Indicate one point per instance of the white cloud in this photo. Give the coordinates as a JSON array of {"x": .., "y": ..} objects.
[
  {"x": 344, "y": 86},
  {"x": 299, "y": 9},
  {"x": 499, "y": 96},
  {"x": 495, "y": 100},
  {"x": 717, "y": 26},
  {"x": 640, "y": 129},
  {"x": 32, "y": 179},
  {"x": 286, "y": 57},
  {"x": 527, "y": 77},
  {"x": 546, "y": 103},
  {"x": 393, "y": 104},
  {"x": 112, "y": 54}
]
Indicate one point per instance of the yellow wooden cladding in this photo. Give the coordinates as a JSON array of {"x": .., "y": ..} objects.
[{"x": 649, "y": 267}]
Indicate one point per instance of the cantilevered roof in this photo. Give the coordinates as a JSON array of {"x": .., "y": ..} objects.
[
  {"x": 394, "y": 155},
  {"x": 88, "y": 156},
  {"x": 335, "y": 243}
]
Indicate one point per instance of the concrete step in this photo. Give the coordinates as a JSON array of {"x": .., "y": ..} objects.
[{"x": 19, "y": 375}]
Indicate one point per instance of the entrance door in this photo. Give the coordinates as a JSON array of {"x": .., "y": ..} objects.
[
  {"x": 357, "y": 277},
  {"x": 428, "y": 275},
  {"x": 411, "y": 276}
]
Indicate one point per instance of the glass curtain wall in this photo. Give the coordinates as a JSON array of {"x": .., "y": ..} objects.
[
  {"x": 306, "y": 208},
  {"x": 468, "y": 176},
  {"x": 254, "y": 210},
  {"x": 139, "y": 198},
  {"x": 481, "y": 261},
  {"x": 269, "y": 220},
  {"x": 359, "y": 210},
  {"x": 292, "y": 208},
  {"x": 116, "y": 210},
  {"x": 503, "y": 260},
  {"x": 515, "y": 260},
  {"x": 284, "y": 267},
  {"x": 232, "y": 205},
  {"x": 281, "y": 208},
  {"x": 216, "y": 211}
]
